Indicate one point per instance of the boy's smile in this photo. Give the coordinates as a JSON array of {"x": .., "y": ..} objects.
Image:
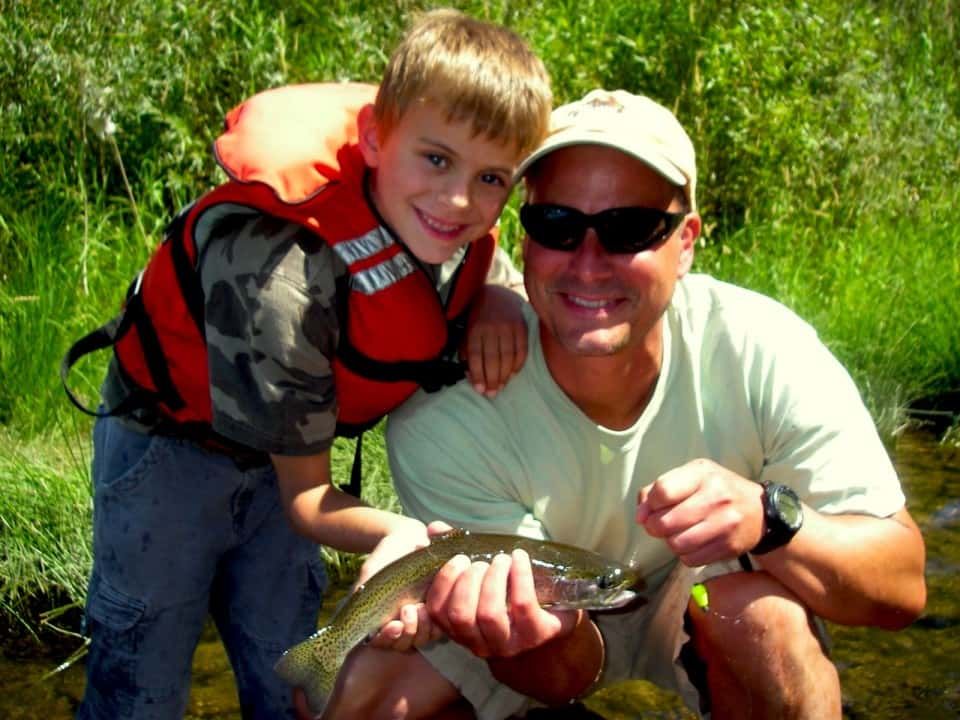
[{"x": 435, "y": 183}]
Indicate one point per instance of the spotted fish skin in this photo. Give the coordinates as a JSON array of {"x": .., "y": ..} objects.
[{"x": 565, "y": 577}]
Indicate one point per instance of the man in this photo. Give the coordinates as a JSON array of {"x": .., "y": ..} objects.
[{"x": 666, "y": 419}]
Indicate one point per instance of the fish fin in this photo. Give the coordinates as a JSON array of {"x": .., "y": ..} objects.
[{"x": 300, "y": 667}]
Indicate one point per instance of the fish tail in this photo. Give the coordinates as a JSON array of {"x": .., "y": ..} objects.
[{"x": 301, "y": 666}]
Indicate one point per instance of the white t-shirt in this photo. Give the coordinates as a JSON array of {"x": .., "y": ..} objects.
[{"x": 744, "y": 382}]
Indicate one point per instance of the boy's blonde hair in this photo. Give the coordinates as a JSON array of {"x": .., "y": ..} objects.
[{"x": 481, "y": 73}]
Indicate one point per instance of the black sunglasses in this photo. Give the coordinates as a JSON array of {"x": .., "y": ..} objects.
[{"x": 620, "y": 230}]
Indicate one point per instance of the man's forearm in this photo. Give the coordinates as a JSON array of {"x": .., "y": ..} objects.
[{"x": 557, "y": 671}]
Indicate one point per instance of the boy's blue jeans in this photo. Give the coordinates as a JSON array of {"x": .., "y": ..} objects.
[{"x": 180, "y": 532}]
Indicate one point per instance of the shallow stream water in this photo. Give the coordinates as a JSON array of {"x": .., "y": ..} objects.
[{"x": 911, "y": 674}]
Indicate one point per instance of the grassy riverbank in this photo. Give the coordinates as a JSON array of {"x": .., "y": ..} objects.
[{"x": 827, "y": 138}]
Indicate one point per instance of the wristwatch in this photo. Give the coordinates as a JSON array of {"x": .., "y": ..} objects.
[{"x": 783, "y": 516}]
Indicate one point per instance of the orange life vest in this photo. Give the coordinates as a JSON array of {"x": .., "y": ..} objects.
[{"x": 292, "y": 153}]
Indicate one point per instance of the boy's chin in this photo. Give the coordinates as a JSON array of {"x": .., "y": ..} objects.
[{"x": 434, "y": 252}]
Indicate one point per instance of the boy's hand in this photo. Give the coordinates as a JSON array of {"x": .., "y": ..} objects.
[
  {"x": 496, "y": 344},
  {"x": 412, "y": 627}
]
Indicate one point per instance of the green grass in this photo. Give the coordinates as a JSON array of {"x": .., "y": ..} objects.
[
  {"x": 44, "y": 521},
  {"x": 827, "y": 136}
]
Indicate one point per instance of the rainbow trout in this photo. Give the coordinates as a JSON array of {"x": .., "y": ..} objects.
[{"x": 565, "y": 577}]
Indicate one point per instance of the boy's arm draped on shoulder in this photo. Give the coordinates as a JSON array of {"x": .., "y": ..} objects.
[{"x": 495, "y": 345}]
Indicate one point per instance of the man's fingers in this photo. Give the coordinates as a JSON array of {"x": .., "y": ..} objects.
[
  {"x": 673, "y": 487},
  {"x": 523, "y": 591},
  {"x": 492, "y": 616},
  {"x": 438, "y": 596},
  {"x": 462, "y": 609}
]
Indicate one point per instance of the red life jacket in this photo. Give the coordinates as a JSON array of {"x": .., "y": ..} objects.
[{"x": 292, "y": 153}]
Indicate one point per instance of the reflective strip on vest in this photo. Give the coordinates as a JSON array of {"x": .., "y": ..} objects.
[
  {"x": 351, "y": 251},
  {"x": 381, "y": 276}
]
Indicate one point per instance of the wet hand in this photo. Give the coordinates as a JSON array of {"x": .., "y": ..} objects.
[
  {"x": 412, "y": 629},
  {"x": 411, "y": 536},
  {"x": 413, "y": 626},
  {"x": 496, "y": 344},
  {"x": 704, "y": 512},
  {"x": 492, "y": 608},
  {"x": 300, "y": 706}
]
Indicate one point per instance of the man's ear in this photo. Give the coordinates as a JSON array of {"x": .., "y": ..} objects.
[
  {"x": 369, "y": 136},
  {"x": 688, "y": 243}
]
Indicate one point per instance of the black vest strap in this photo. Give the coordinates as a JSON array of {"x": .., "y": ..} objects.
[
  {"x": 187, "y": 277},
  {"x": 356, "y": 470},
  {"x": 101, "y": 338},
  {"x": 429, "y": 374},
  {"x": 107, "y": 335}
]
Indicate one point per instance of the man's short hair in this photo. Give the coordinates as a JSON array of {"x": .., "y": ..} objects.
[{"x": 479, "y": 72}]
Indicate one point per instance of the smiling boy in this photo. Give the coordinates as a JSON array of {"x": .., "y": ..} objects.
[{"x": 307, "y": 296}]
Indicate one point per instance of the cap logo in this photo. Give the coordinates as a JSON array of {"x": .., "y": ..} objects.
[
  {"x": 599, "y": 102},
  {"x": 608, "y": 101}
]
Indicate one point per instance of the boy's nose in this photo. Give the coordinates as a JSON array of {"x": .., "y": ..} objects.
[{"x": 458, "y": 193}]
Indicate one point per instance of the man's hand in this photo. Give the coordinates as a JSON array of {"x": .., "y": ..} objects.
[
  {"x": 496, "y": 344},
  {"x": 703, "y": 511},
  {"x": 492, "y": 608}
]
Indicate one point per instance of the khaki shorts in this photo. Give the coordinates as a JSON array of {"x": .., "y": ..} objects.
[{"x": 657, "y": 658}]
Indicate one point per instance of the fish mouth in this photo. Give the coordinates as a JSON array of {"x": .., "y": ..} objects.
[
  {"x": 622, "y": 599},
  {"x": 612, "y": 601}
]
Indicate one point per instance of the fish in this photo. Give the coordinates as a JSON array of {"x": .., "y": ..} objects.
[{"x": 565, "y": 577}]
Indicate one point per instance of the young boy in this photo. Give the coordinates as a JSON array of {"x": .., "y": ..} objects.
[{"x": 310, "y": 294}]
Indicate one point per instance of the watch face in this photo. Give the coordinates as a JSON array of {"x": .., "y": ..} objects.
[{"x": 789, "y": 507}]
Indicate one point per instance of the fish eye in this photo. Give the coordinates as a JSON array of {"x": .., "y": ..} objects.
[{"x": 611, "y": 579}]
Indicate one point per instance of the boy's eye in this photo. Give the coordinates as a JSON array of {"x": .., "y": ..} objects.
[
  {"x": 492, "y": 179},
  {"x": 436, "y": 160}
]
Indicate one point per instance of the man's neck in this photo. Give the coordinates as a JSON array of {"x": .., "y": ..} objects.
[{"x": 612, "y": 390}]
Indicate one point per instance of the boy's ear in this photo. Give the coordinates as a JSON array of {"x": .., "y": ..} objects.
[{"x": 369, "y": 136}]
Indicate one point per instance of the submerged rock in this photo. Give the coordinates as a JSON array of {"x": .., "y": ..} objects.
[{"x": 947, "y": 516}]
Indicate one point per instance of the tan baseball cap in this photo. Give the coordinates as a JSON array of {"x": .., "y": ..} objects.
[{"x": 633, "y": 124}]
